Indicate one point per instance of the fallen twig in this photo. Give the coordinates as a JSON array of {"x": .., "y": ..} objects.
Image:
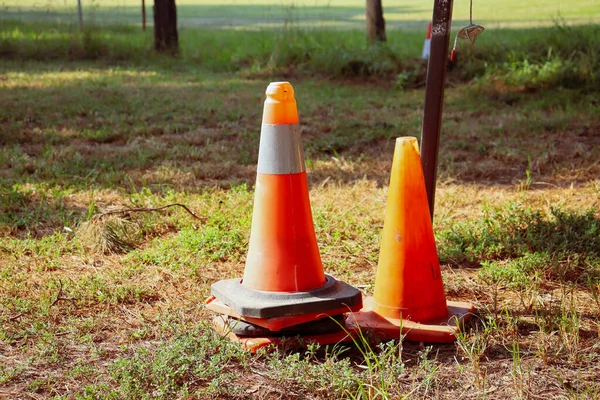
[
  {"x": 15, "y": 317},
  {"x": 58, "y": 295},
  {"x": 146, "y": 209},
  {"x": 112, "y": 232}
]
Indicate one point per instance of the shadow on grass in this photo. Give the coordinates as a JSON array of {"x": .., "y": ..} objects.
[
  {"x": 30, "y": 214},
  {"x": 89, "y": 126}
]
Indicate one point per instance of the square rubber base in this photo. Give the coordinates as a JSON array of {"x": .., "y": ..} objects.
[{"x": 247, "y": 302}]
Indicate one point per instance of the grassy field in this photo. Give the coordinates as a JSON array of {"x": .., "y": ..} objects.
[{"x": 94, "y": 121}]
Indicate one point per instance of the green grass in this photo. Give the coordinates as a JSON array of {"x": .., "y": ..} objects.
[
  {"x": 559, "y": 56},
  {"x": 94, "y": 121},
  {"x": 253, "y": 14},
  {"x": 135, "y": 327},
  {"x": 563, "y": 245}
]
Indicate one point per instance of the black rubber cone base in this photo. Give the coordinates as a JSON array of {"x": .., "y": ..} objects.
[
  {"x": 319, "y": 327},
  {"x": 247, "y": 302}
]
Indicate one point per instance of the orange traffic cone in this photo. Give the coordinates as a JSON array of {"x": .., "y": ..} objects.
[
  {"x": 427, "y": 44},
  {"x": 409, "y": 293},
  {"x": 284, "y": 285},
  {"x": 283, "y": 254}
]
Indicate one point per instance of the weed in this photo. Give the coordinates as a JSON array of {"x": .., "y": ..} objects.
[
  {"x": 110, "y": 234},
  {"x": 9, "y": 373},
  {"x": 569, "y": 326},
  {"x": 473, "y": 346},
  {"x": 568, "y": 59},
  {"x": 562, "y": 245},
  {"x": 177, "y": 368}
]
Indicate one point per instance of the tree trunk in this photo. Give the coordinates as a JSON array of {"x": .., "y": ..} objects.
[
  {"x": 165, "y": 26},
  {"x": 80, "y": 14},
  {"x": 375, "y": 22},
  {"x": 143, "y": 15}
]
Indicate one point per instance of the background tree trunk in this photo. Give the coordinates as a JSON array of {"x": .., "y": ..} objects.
[
  {"x": 375, "y": 21},
  {"x": 143, "y": 15},
  {"x": 80, "y": 14},
  {"x": 165, "y": 26}
]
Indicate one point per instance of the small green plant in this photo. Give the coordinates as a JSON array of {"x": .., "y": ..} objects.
[
  {"x": 9, "y": 373},
  {"x": 569, "y": 325},
  {"x": 429, "y": 369},
  {"x": 199, "y": 355},
  {"x": 561, "y": 245},
  {"x": 381, "y": 364},
  {"x": 519, "y": 372},
  {"x": 526, "y": 184},
  {"x": 521, "y": 275},
  {"x": 412, "y": 76},
  {"x": 474, "y": 344}
]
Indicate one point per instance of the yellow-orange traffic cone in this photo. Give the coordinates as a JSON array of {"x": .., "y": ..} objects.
[{"x": 409, "y": 293}]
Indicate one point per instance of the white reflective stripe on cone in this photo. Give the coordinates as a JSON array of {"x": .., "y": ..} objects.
[
  {"x": 280, "y": 150},
  {"x": 426, "y": 49}
]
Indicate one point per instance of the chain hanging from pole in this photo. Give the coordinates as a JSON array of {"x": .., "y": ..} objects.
[{"x": 469, "y": 32}]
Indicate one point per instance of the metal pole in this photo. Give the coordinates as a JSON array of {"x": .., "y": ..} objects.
[
  {"x": 80, "y": 13},
  {"x": 434, "y": 94}
]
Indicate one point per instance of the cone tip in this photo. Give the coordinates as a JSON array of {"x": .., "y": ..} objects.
[
  {"x": 281, "y": 91},
  {"x": 408, "y": 141}
]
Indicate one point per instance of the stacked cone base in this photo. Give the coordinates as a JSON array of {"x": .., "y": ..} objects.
[
  {"x": 318, "y": 327},
  {"x": 249, "y": 302},
  {"x": 438, "y": 331},
  {"x": 357, "y": 323},
  {"x": 276, "y": 323},
  {"x": 223, "y": 326}
]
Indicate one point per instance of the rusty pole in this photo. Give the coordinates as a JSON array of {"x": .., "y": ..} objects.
[{"x": 434, "y": 94}]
